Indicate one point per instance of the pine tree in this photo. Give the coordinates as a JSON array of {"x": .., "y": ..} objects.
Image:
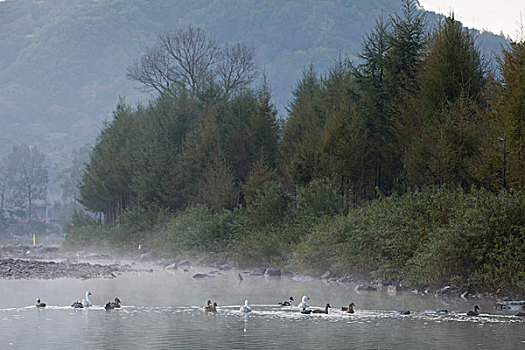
[{"x": 501, "y": 163}]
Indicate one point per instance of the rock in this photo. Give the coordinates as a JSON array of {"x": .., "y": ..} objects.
[
  {"x": 345, "y": 279},
  {"x": 365, "y": 288},
  {"x": 448, "y": 291},
  {"x": 145, "y": 257},
  {"x": 286, "y": 273},
  {"x": 326, "y": 275},
  {"x": 172, "y": 266},
  {"x": 224, "y": 267},
  {"x": 258, "y": 271},
  {"x": 201, "y": 276},
  {"x": 273, "y": 271},
  {"x": 184, "y": 263}
]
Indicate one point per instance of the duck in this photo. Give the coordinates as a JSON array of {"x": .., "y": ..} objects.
[
  {"x": 84, "y": 303},
  {"x": 113, "y": 304},
  {"x": 475, "y": 312},
  {"x": 210, "y": 308},
  {"x": 520, "y": 314},
  {"x": 287, "y": 303},
  {"x": 349, "y": 309},
  {"x": 40, "y": 304},
  {"x": 304, "y": 304},
  {"x": 325, "y": 311},
  {"x": 403, "y": 312},
  {"x": 245, "y": 308}
]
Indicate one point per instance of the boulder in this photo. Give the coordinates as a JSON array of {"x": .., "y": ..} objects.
[
  {"x": 172, "y": 266},
  {"x": 273, "y": 271},
  {"x": 258, "y": 271},
  {"x": 345, "y": 279},
  {"x": 198, "y": 276},
  {"x": 326, "y": 275},
  {"x": 448, "y": 291},
  {"x": 184, "y": 263},
  {"x": 365, "y": 288}
]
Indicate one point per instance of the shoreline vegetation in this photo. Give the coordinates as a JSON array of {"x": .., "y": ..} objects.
[
  {"x": 408, "y": 166},
  {"x": 426, "y": 240}
]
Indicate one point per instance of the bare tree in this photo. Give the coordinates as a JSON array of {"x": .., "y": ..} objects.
[
  {"x": 27, "y": 175},
  {"x": 152, "y": 69},
  {"x": 188, "y": 59},
  {"x": 237, "y": 67}
]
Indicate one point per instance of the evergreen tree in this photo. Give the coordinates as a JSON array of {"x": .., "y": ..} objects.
[
  {"x": 501, "y": 163},
  {"x": 445, "y": 115}
]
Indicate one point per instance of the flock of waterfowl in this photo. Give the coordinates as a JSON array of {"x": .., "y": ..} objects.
[
  {"x": 302, "y": 306},
  {"x": 86, "y": 302}
]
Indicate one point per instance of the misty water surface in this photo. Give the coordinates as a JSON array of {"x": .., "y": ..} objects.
[{"x": 164, "y": 310}]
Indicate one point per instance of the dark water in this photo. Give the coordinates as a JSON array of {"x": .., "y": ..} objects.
[{"x": 162, "y": 310}]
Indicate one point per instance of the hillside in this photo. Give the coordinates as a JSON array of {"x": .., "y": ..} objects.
[{"x": 63, "y": 63}]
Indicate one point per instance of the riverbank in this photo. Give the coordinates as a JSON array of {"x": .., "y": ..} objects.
[{"x": 474, "y": 241}]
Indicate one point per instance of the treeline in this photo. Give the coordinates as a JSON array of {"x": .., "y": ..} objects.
[
  {"x": 419, "y": 110},
  {"x": 23, "y": 183}
]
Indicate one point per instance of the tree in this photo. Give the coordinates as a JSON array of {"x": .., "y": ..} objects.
[
  {"x": 501, "y": 162},
  {"x": 445, "y": 111},
  {"x": 188, "y": 58},
  {"x": 4, "y": 181},
  {"x": 71, "y": 177},
  {"x": 28, "y": 176}
]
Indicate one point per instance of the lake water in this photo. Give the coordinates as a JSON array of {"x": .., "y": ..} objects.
[{"x": 163, "y": 310}]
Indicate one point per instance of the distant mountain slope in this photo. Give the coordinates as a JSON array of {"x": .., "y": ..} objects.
[{"x": 63, "y": 62}]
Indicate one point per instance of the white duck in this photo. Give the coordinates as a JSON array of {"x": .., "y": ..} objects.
[
  {"x": 304, "y": 305},
  {"x": 245, "y": 307}
]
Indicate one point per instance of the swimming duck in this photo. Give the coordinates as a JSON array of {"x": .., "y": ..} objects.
[
  {"x": 40, "y": 304},
  {"x": 306, "y": 311},
  {"x": 403, "y": 312},
  {"x": 77, "y": 305},
  {"x": 287, "y": 303},
  {"x": 304, "y": 304},
  {"x": 113, "y": 304},
  {"x": 210, "y": 307},
  {"x": 475, "y": 312},
  {"x": 325, "y": 311},
  {"x": 245, "y": 307},
  {"x": 349, "y": 309},
  {"x": 84, "y": 303}
]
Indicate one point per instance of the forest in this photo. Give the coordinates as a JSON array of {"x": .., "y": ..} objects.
[{"x": 409, "y": 165}]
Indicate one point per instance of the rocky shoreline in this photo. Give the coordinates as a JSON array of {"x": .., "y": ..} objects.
[{"x": 21, "y": 262}]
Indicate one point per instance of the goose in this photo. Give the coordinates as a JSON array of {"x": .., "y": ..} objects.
[
  {"x": 349, "y": 309},
  {"x": 287, "y": 303},
  {"x": 475, "y": 312},
  {"x": 304, "y": 304},
  {"x": 306, "y": 312},
  {"x": 87, "y": 302},
  {"x": 325, "y": 311},
  {"x": 40, "y": 304},
  {"x": 245, "y": 308},
  {"x": 113, "y": 304},
  {"x": 210, "y": 307}
]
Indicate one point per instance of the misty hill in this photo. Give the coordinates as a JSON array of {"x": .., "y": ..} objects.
[{"x": 63, "y": 63}]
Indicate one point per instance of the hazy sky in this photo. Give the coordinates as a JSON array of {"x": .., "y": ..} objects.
[{"x": 493, "y": 15}]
